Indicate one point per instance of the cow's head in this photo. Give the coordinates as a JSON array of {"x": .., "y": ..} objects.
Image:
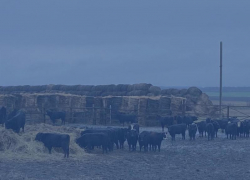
[{"x": 39, "y": 136}]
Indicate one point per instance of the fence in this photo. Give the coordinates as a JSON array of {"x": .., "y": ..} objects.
[
  {"x": 106, "y": 116},
  {"x": 227, "y": 111}
]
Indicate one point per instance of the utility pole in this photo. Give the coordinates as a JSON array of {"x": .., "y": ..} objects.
[{"x": 220, "y": 75}]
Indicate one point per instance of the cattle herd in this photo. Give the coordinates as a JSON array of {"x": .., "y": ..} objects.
[{"x": 110, "y": 137}]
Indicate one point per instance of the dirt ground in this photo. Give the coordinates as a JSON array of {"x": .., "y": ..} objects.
[{"x": 200, "y": 159}]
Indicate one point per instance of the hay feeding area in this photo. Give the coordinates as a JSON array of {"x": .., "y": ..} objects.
[
  {"x": 21, "y": 157},
  {"x": 23, "y": 145}
]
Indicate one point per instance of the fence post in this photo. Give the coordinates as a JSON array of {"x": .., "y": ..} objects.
[
  {"x": 105, "y": 115},
  {"x": 227, "y": 112},
  {"x": 44, "y": 115},
  {"x": 110, "y": 111},
  {"x": 94, "y": 120},
  {"x": 71, "y": 115},
  {"x": 183, "y": 107}
]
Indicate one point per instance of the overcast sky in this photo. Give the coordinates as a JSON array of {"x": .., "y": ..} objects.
[{"x": 162, "y": 42}]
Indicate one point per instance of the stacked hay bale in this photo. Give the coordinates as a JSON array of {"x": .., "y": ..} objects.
[{"x": 91, "y": 104}]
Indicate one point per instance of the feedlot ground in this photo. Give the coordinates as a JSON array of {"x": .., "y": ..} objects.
[{"x": 217, "y": 159}]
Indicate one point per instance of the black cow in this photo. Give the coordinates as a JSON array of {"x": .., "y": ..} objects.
[
  {"x": 246, "y": 128},
  {"x": 216, "y": 126},
  {"x": 121, "y": 134},
  {"x": 144, "y": 140},
  {"x": 112, "y": 134},
  {"x": 202, "y": 128},
  {"x": 189, "y": 120},
  {"x": 12, "y": 113},
  {"x": 223, "y": 123},
  {"x": 177, "y": 129},
  {"x": 231, "y": 130},
  {"x": 90, "y": 140},
  {"x": 208, "y": 120},
  {"x": 210, "y": 131},
  {"x": 155, "y": 140},
  {"x": 128, "y": 118},
  {"x": 165, "y": 121},
  {"x": 134, "y": 126},
  {"x": 56, "y": 115},
  {"x": 16, "y": 122},
  {"x": 192, "y": 129},
  {"x": 55, "y": 140},
  {"x": 180, "y": 119},
  {"x": 2, "y": 115},
  {"x": 240, "y": 129},
  {"x": 132, "y": 138}
]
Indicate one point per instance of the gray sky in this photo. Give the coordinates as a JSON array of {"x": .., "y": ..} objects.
[{"x": 163, "y": 42}]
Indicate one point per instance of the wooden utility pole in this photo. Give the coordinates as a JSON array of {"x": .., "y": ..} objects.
[{"x": 220, "y": 75}]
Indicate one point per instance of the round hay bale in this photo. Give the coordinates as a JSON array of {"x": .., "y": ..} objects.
[
  {"x": 165, "y": 92},
  {"x": 174, "y": 92},
  {"x": 122, "y": 87},
  {"x": 85, "y": 87},
  {"x": 63, "y": 88},
  {"x": 141, "y": 86},
  {"x": 98, "y": 88},
  {"x": 170, "y": 91},
  {"x": 137, "y": 93},
  {"x": 183, "y": 92},
  {"x": 130, "y": 88},
  {"x": 42, "y": 88},
  {"x": 194, "y": 91},
  {"x": 74, "y": 88},
  {"x": 155, "y": 90},
  {"x": 56, "y": 87}
]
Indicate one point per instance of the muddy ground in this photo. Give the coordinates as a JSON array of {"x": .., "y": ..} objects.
[{"x": 217, "y": 159}]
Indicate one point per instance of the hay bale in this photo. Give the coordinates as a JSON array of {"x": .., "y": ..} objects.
[
  {"x": 165, "y": 92},
  {"x": 104, "y": 88},
  {"x": 141, "y": 86},
  {"x": 86, "y": 88},
  {"x": 183, "y": 92},
  {"x": 122, "y": 87},
  {"x": 169, "y": 92},
  {"x": 150, "y": 94},
  {"x": 153, "y": 106},
  {"x": 155, "y": 90},
  {"x": 194, "y": 91},
  {"x": 137, "y": 93}
]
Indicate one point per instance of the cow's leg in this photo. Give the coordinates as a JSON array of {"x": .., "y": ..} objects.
[{"x": 65, "y": 152}]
